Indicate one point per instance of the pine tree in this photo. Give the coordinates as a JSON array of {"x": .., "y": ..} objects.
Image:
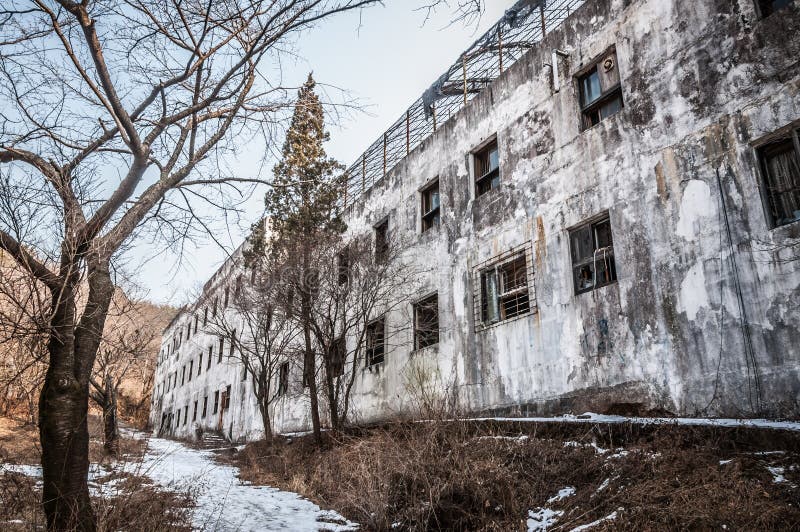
[{"x": 302, "y": 206}]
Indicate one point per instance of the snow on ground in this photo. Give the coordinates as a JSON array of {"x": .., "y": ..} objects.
[
  {"x": 590, "y": 417},
  {"x": 225, "y": 503}
]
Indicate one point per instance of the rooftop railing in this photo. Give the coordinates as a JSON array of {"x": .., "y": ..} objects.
[{"x": 522, "y": 26}]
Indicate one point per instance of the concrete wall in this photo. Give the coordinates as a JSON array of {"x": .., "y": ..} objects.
[{"x": 704, "y": 82}]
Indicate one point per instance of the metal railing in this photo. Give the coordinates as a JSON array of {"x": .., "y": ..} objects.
[{"x": 522, "y": 26}]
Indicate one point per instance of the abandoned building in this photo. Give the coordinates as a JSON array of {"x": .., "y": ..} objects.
[{"x": 606, "y": 198}]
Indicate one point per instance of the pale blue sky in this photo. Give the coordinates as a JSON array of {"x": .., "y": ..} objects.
[{"x": 385, "y": 59}]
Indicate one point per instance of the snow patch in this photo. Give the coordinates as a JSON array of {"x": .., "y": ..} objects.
[
  {"x": 542, "y": 519},
  {"x": 610, "y": 517},
  {"x": 563, "y": 493}
]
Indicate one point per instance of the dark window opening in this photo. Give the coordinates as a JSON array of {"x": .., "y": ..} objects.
[
  {"x": 178, "y": 417},
  {"x": 768, "y": 7},
  {"x": 194, "y": 412},
  {"x": 338, "y": 356},
  {"x": 210, "y": 356},
  {"x": 221, "y": 350},
  {"x": 600, "y": 91},
  {"x": 487, "y": 169},
  {"x": 205, "y": 316},
  {"x": 216, "y": 402},
  {"x": 200, "y": 365},
  {"x": 343, "y": 265},
  {"x": 376, "y": 342},
  {"x": 504, "y": 291},
  {"x": 227, "y": 293},
  {"x": 238, "y": 289},
  {"x": 214, "y": 310},
  {"x": 382, "y": 241},
  {"x": 780, "y": 166},
  {"x": 185, "y": 414},
  {"x": 183, "y": 375},
  {"x": 283, "y": 379},
  {"x": 426, "y": 322},
  {"x": 226, "y": 398},
  {"x": 232, "y": 343},
  {"x": 430, "y": 206},
  {"x": 191, "y": 369},
  {"x": 593, "y": 256},
  {"x": 205, "y": 406}
]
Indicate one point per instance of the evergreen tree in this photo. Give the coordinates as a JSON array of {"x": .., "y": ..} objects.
[{"x": 302, "y": 206}]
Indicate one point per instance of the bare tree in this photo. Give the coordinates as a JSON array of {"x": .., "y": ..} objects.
[
  {"x": 110, "y": 109},
  {"x": 260, "y": 335}
]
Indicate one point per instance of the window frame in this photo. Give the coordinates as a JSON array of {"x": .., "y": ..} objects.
[
  {"x": 580, "y": 262},
  {"x": 431, "y": 218},
  {"x": 606, "y": 95},
  {"x": 768, "y": 197},
  {"x": 483, "y": 317},
  {"x": 428, "y": 302},
  {"x": 381, "y": 236},
  {"x": 283, "y": 379},
  {"x": 481, "y": 175},
  {"x": 371, "y": 358}
]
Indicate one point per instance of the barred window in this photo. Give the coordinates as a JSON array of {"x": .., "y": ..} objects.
[
  {"x": 505, "y": 290},
  {"x": 593, "y": 255},
  {"x": 780, "y": 168},
  {"x": 376, "y": 338},
  {"x": 426, "y": 322}
]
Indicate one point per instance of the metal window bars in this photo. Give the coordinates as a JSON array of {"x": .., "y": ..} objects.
[{"x": 522, "y": 26}]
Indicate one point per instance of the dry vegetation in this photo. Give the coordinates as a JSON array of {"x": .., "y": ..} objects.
[
  {"x": 488, "y": 476},
  {"x": 134, "y": 504}
]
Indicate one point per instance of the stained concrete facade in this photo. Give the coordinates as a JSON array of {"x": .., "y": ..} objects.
[{"x": 704, "y": 316}]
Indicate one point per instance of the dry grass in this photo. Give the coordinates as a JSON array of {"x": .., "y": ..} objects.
[{"x": 487, "y": 476}]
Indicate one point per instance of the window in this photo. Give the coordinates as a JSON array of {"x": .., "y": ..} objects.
[
  {"x": 382, "y": 241},
  {"x": 210, "y": 356},
  {"x": 426, "y": 322},
  {"x": 487, "y": 168},
  {"x": 768, "y": 7},
  {"x": 178, "y": 417},
  {"x": 343, "y": 265},
  {"x": 600, "y": 90},
  {"x": 205, "y": 316},
  {"x": 283, "y": 378},
  {"x": 200, "y": 364},
  {"x": 205, "y": 406},
  {"x": 430, "y": 206},
  {"x": 183, "y": 375},
  {"x": 238, "y": 288},
  {"x": 780, "y": 168},
  {"x": 216, "y": 402},
  {"x": 504, "y": 290},
  {"x": 592, "y": 255},
  {"x": 376, "y": 340},
  {"x": 194, "y": 412},
  {"x": 185, "y": 414},
  {"x": 196, "y": 319},
  {"x": 214, "y": 310},
  {"x": 191, "y": 369},
  {"x": 338, "y": 356},
  {"x": 226, "y": 398},
  {"x": 232, "y": 342},
  {"x": 221, "y": 350},
  {"x": 227, "y": 293}
]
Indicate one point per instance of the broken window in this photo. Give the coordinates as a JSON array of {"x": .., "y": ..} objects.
[
  {"x": 487, "y": 168},
  {"x": 382, "y": 241},
  {"x": 504, "y": 290},
  {"x": 210, "y": 356},
  {"x": 283, "y": 378},
  {"x": 226, "y": 398},
  {"x": 194, "y": 412},
  {"x": 216, "y": 402},
  {"x": 593, "y": 255},
  {"x": 430, "y": 206},
  {"x": 426, "y": 322},
  {"x": 376, "y": 342},
  {"x": 205, "y": 406},
  {"x": 768, "y": 7},
  {"x": 343, "y": 265},
  {"x": 600, "y": 90},
  {"x": 780, "y": 167},
  {"x": 338, "y": 355}
]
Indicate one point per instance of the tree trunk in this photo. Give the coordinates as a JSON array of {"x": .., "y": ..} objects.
[
  {"x": 64, "y": 400},
  {"x": 263, "y": 403},
  {"x": 110, "y": 428}
]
